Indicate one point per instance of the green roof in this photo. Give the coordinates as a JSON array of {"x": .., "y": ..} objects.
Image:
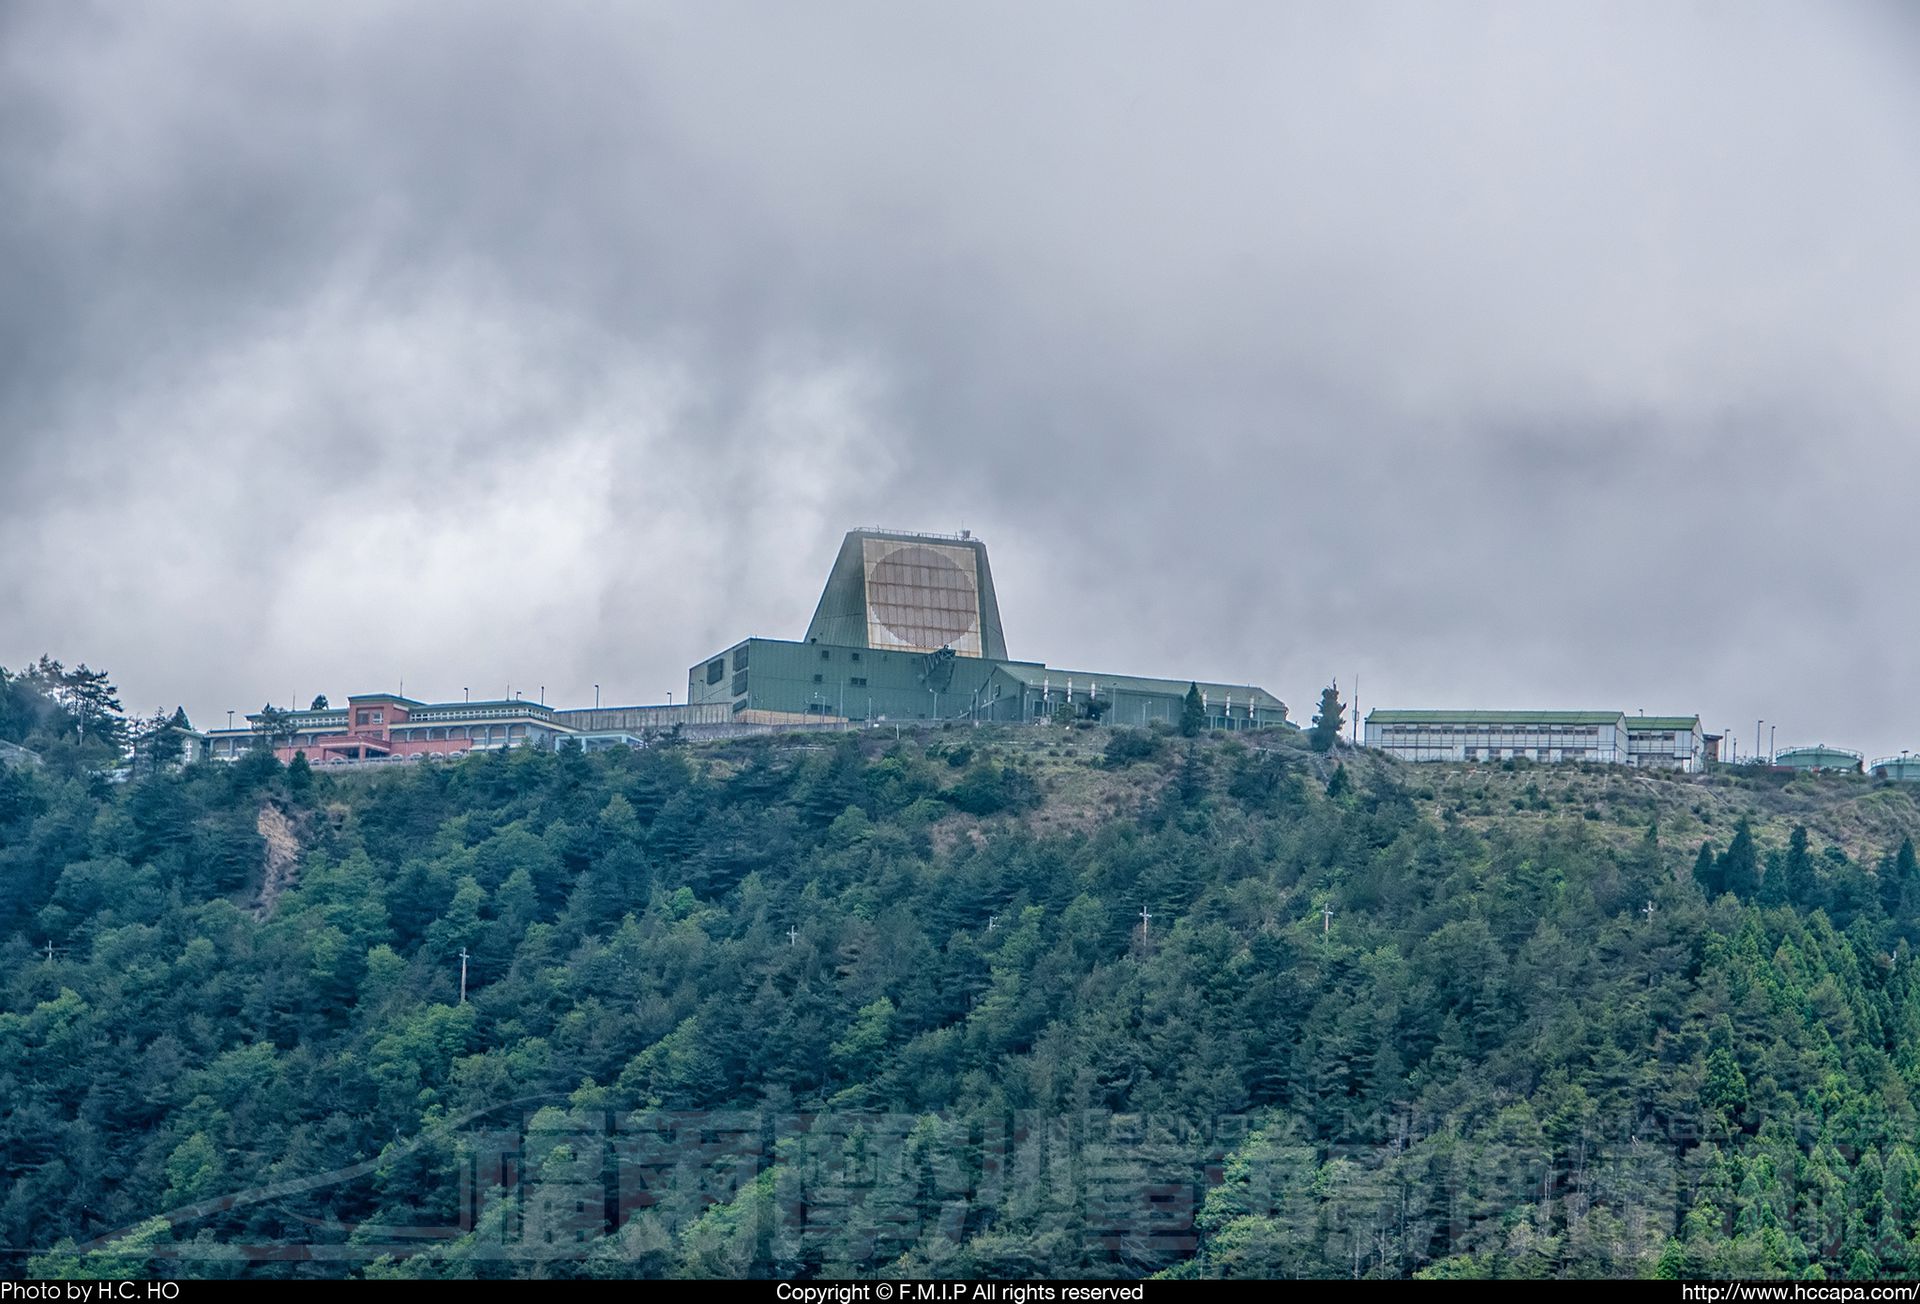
[
  {"x": 1378, "y": 716},
  {"x": 1035, "y": 675},
  {"x": 1674, "y": 722}
]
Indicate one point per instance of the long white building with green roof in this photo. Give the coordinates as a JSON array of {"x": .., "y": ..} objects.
[{"x": 1596, "y": 737}]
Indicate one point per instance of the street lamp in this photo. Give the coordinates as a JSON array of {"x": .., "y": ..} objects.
[{"x": 1771, "y": 730}]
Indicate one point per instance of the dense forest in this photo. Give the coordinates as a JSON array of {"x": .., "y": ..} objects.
[{"x": 1004, "y": 1003}]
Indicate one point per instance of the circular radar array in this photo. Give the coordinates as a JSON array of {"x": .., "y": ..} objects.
[{"x": 922, "y": 597}]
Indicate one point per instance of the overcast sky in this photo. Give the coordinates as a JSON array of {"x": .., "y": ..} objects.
[{"x": 1504, "y": 355}]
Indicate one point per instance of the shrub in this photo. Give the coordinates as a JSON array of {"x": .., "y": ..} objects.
[{"x": 1128, "y": 746}]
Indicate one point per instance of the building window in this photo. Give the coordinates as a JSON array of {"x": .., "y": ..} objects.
[
  {"x": 740, "y": 656},
  {"x": 819, "y": 679},
  {"x": 716, "y": 670},
  {"x": 857, "y": 682},
  {"x": 825, "y": 655},
  {"x": 855, "y": 655},
  {"x": 740, "y": 683},
  {"x": 363, "y": 717}
]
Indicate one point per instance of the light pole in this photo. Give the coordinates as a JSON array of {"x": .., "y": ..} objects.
[
  {"x": 1771, "y": 730},
  {"x": 596, "y": 697},
  {"x": 1756, "y": 738}
]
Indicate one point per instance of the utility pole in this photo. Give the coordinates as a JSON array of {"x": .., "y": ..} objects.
[
  {"x": 993, "y": 922},
  {"x": 1145, "y": 919},
  {"x": 463, "y": 975},
  {"x": 1326, "y": 921},
  {"x": 49, "y": 950},
  {"x": 596, "y": 697},
  {"x": 1647, "y": 910},
  {"x": 1772, "y": 730},
  {"x": 793, "y": 936},
  {"x": 1756, "y": 738}
]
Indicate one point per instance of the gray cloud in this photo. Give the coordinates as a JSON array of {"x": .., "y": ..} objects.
[{"x": 1499, "y": 353}]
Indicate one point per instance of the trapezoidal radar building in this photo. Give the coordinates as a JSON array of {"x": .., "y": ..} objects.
[{"x": 908, "y": 628}]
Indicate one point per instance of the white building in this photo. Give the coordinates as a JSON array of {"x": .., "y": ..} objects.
[
  {"x": 1667, "y": 742},
  {"x": 1600, "y": 737}
]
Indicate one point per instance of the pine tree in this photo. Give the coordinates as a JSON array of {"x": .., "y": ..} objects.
[
  {"x": 1896, "y": 881},
  {"x": 1193, "y": 712},
  {"x": 1340, "y": 783},
  {"x": 275, "y": 726},
  {"x": 1739, "y": 868},
  {"x": 95, "y": 705},
  {"x": 1706, "y": 872},
  {"x": 1802, "y": 885},
  {"x": 159, "y": 739},
  {"x": 1329, "y": 722},
  {"x": 299, "y": 775},
  {"x": 1773, "y": 883}
]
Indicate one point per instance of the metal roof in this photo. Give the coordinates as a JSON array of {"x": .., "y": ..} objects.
[
  {"x": 1035, "y": 675},
  {"x": 1663, "y": 722},
  {"x": 1816, "y": 749},
  {"x": 1378, "y": 716}
]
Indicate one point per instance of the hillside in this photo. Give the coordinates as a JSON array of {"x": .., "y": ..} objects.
[{"x": 860, "y": 1005}]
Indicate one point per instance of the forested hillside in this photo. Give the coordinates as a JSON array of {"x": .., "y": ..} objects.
[{"x": 969, "y": 1003}]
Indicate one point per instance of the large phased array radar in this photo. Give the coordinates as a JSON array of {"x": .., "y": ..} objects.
[{"x": 908, "y": 592}]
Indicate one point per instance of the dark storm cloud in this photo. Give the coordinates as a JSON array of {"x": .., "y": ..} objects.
[{"x": 1502, "y": 355}]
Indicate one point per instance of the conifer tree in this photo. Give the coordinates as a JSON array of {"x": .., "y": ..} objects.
[
  {"x": 1193, "y": 712},
  {"x": 1897, "y": 876},
  {"x": 1706, "y": 872},
  {"x": 1802, "y": 886},
  {"x": 1340, "y": 783},
  {"x": 1739, "y": 868},
  {"x": 1330, "y": 720}
]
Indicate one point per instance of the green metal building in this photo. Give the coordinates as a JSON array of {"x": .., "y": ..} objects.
[{"x": 908, "y": 628}]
